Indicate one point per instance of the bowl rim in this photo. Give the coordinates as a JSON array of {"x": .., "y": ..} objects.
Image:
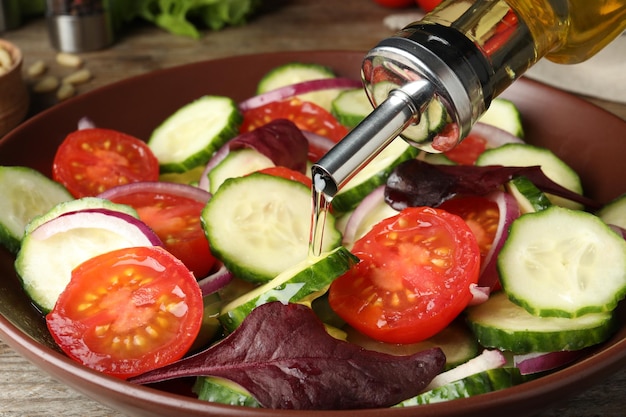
[{"x": 584, "y": 372}]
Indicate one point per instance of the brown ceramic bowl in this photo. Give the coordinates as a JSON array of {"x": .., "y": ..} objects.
[
  {"x": 14, "y": 97},
  {"x": 592, "y": 141}
]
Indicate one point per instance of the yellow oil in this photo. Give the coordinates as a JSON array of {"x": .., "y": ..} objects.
[{"x": 514, "y": 34}]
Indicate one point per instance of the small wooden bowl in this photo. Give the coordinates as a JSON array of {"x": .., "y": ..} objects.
[{"x": 14, "y": 98}]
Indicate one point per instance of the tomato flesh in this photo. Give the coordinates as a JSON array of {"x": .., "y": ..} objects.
[
  {"x": 413, "y": 278},
  {"x": 128, "y": 311},
  {"x": 176, "y": 220},
  {"x": 289, "y": 174},
  {"x": 304, "y": 114},
  {"x": 90, "y": 161},
  {"x": 467, "y": 152}
]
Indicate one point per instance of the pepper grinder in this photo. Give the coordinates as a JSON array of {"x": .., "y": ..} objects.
[{"x": 79, "y": 25}]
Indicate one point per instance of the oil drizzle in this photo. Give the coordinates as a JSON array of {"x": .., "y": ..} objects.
[{"x": 320, "y": 207}]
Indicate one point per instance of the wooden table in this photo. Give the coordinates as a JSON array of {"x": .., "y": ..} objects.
[{"x": 289, "y": 25}]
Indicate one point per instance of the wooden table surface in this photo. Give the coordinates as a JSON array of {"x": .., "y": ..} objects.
[{"x": 289, "y": 25}]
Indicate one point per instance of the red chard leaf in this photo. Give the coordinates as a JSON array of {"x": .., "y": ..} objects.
[
  {"x": 284, "y": 357},
  {"x": 415, "y": 183},
  {"x": 280, "y": 140}
]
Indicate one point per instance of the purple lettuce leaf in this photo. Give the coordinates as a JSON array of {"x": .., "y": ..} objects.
[
  {"x": 284, "y": 357},
  {"x": 280, "y": 140},
  {"x": 415, "y": 183}
]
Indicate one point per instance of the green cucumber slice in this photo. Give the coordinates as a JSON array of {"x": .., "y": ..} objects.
[
  {"x": 297, "y": 72},
  {"x": 301, "y": 283},
  {"x": 223, "y": 391},
  {"x": 501, "y": 324},
  {"x": 372, "y": 175},
  {"x": 456, "y": 340},
  {"x": 237, "y": 163},
  {"x": 523, "y": 155},
  {"x": 351, "y": 107},
  {"x": 189, "y": 137},
  {"x": 503, "y": 114},
  {"x": 614, "y": 212},
  {"x": 258, "y": 225},
  {"x": 529, "y": 198},
  {"x": 480, "y": 383},
  {"x": 26, "y": 193},
  {"x": 563, "y": 263}
]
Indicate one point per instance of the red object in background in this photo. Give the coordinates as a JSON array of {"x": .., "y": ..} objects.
[
  {"x": 396, "y": 4},
  {"x": 427, "y": 5}
]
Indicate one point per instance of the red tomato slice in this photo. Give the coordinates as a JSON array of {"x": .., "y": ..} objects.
[
  {"x": 413, "y": 278},
  {"x": 306, "y": 115},
  {"x": 176, "y": 220},
  {"x": 480, "y": 214},
  {"x": 467, "y": 152},
  {"x": 90, "y": 161},
  {"x": 289, "y": 174},
  {"x": 128, "y": 311}
]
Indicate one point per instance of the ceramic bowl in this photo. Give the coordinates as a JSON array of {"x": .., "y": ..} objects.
[{"x": 591, "y": 140}]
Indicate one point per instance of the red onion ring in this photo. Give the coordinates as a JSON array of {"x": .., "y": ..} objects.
[
  {"x": 372, "y": 203},
  {"x": 215, "y": 281},
  {"x": 181, "y": 190},
  {"x": 494, "y": 135},
  {"x": 488, "y": 359},
  {"x": 297, "y": 89},
  {"x": 535, "y": 362},
  {"x": 509, "y": 211}
]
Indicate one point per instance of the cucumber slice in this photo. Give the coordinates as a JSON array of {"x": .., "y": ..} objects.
[
  {"x": 614, "y": 212},
  {"x": 351, "y": 107},
  {"x": 50, "y": 252},
  {"x": 529, "y": 198},
  {"x": 522, "y": 155},
  {"x": 297, "y": 72},
  {"x": 259, "y": 225},
  {"x": 456, "y": 340},
  {"x": 372, "y": 175},
  {"x": 301, "y": 283},
  {"x": 563, "y": 263},
  {"x": 501, "y": 324},
  {"x": 237, "y": 164},
  {"x": 432, "y": 121},
  {"x": 223, "y": 391},
  {"x": 480, "y": 383},
  {"x": 504, "y": 115},
  {"x": 189, "y": 137},
  {"x": 26, "y": 193},
  {"x": 85, "y": 203}
]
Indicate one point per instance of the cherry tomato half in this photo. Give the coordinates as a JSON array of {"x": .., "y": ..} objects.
[
  {"x": 467, "y": 152},
  {"x": 304, "y": 114},
  {"x": 427, "y": 5},
  {"x": 413, "y": 278},
  {"x": 128, "y": 311},
  {"x": 480, "y": 214},
  {"x": 289, "y": 174},
  {"x": 176, "y": 220},
  {"x": 90, "y": 161}
]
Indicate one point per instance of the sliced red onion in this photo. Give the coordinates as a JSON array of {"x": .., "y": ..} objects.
[
  {"x": 161, "y": 187},
  {"x": 479, "y": 294},
  {"x": 535, "y": 362},
  {"x": 297, "y": 89},
  {"x": 370, "y": 211},
  {"x": 509, "y": 211},
  {"x": 318, "y": 141},
  {"x": 217, "y": 280},
  {"x": 494, "y": 135},
  {"x": 488, "y": 359},
  {"x": 619, "y": 230}
]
